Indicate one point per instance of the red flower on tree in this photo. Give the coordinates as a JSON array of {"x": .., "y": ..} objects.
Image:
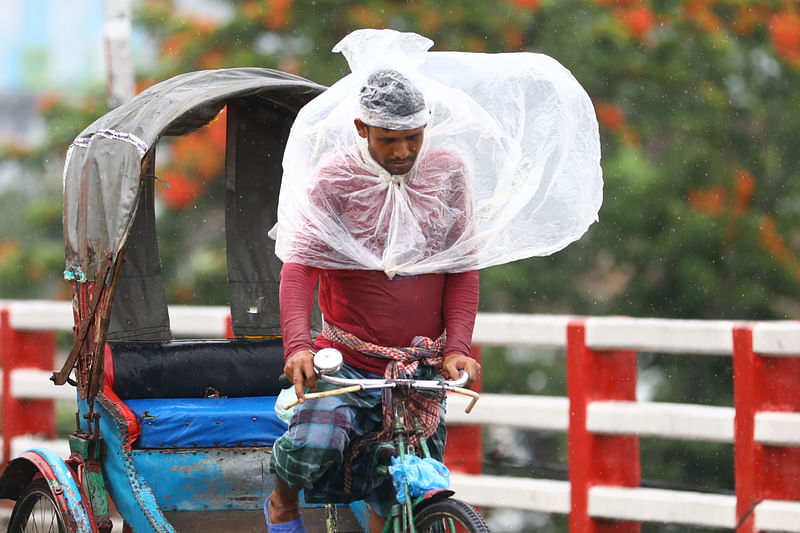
[
  {"x": 9, "y": 252},
  {"x": 180, "y": 192},
  {"x": 197, "y": 160},
  {"x": 784, "y": 32},
  {"x": 639, "y": 19},
  {"x": 174, "y": 45},
  {"x": 748, "y": 19},
  {"x": 772, "y": 241},
  {"x": 252, "y": 9},
  {"x": 514, "y": 38},
  {"x": 528, "y": 4},
  {"x": 212, "y": 59},
  {"x": 745, "y": 185},
  {"x": 610, "y": 115},
  {"x": 609, "y": 3},
  {"x": 710, "y": 200},
  {"x": 277, "y": 14},
  {"x": 702, "y": 13}
]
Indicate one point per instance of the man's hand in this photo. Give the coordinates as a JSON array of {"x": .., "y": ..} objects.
[
  {"x": 455, "y": 362},
  {"x": 299, "y": 368}
]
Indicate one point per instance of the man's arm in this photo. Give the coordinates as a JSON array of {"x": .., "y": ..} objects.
[
  {"x": 296, "y": 298},
  {"x": 460, "y": 306}
]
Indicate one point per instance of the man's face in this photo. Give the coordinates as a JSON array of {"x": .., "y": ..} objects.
[{"x": 394, "y": 150}]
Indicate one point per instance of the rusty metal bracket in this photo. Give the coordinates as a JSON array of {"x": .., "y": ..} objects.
[
  {"x": 61, "y": 377},
  {"x": 95, "y": 382},
  {"x": 86, "y": 457}
]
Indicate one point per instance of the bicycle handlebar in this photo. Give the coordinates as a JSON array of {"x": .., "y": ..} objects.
[
  {"x": 383, "y": 383},
  {"x": 329, "y": 360}
]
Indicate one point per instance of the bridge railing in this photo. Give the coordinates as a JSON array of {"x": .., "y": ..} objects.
[{"x": 601, "y": 416}]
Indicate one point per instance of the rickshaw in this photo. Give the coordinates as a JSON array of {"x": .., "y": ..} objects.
[{"x": 175, "y": 434}]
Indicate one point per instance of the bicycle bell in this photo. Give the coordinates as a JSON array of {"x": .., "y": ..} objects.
[{"x": 328, "y": 360}]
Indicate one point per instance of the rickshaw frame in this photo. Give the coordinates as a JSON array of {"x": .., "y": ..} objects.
[{"x": 119, "y": 305}]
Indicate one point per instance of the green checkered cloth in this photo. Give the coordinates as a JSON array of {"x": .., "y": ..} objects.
[{"x": 314, "y": 453}]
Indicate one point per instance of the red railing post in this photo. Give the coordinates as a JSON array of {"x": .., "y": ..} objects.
[
  {"x": 24, "y": 349},
  {"x": 229, "y": 327},
  {"x": 464, "y": 448},
  {"x": 598, "y": 459},
  {"x": 762, "y": 383}
]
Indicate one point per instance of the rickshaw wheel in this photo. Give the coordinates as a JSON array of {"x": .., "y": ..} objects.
[
  {"x": 36, "y": 510},
  {"x": 450, "y": 516}
]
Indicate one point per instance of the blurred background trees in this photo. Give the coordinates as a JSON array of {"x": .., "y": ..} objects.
[{"x": 698, "y": 103}]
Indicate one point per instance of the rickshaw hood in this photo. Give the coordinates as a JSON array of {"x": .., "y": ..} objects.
[{"x": 104, "y": 164}]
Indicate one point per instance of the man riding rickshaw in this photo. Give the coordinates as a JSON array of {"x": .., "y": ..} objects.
[{"x": 498, "y": 160}]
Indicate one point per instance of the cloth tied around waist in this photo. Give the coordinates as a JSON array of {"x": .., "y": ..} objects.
[
  {"x": 420, "y": 407},
  {"x": 403, "y": 361}
]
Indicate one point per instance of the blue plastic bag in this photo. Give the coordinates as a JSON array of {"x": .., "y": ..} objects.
[{"x": 421, "y": 475}]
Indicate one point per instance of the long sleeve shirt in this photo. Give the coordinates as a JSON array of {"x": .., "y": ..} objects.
[{"x": 376, "y": 309}]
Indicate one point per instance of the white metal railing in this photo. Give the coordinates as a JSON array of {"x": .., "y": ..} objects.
[{"x": 652, "y": 419}]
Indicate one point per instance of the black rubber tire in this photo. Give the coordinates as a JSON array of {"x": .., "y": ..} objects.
[
  {"x": 450, "y": 516},
  {"x": 36, "y": 511}
]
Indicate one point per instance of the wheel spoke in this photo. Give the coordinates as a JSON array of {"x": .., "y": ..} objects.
[
  {"x": 43, "y": 517},
  {"x": 39, "y": 515},
  {"x": 37, "y": 511}
]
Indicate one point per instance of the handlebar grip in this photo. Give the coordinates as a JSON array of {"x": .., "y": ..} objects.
[
  {"x": 283, "y": 381},
  {"x": 462, "y": 379}
]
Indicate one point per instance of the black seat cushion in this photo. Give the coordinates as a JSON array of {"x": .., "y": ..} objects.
[{"x": 192, "y": 369}]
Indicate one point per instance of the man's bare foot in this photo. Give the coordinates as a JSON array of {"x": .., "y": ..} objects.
[
  {"x": 279, "y": 514},
  {"x": 283, "y": 503}
]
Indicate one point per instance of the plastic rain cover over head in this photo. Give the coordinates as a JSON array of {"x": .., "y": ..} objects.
[{"x": 507, "y": 166}]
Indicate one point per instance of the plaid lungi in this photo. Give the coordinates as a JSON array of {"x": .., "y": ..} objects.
[{"x": 313, "y": 452}]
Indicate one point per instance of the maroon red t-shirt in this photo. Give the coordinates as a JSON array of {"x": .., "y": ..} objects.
[{"x": 376, "y": 309}]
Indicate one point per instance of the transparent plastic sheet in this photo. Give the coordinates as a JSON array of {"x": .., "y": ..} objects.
[
  {"x": 285, "y": 397},
  {"x": 421, "y": 475},
  {"x": 509, "y": 167}
]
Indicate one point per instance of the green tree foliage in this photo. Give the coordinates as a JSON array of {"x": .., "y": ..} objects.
[
  {"x": 696, "y": 102},
  {"x": 698, "y": 108}
]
